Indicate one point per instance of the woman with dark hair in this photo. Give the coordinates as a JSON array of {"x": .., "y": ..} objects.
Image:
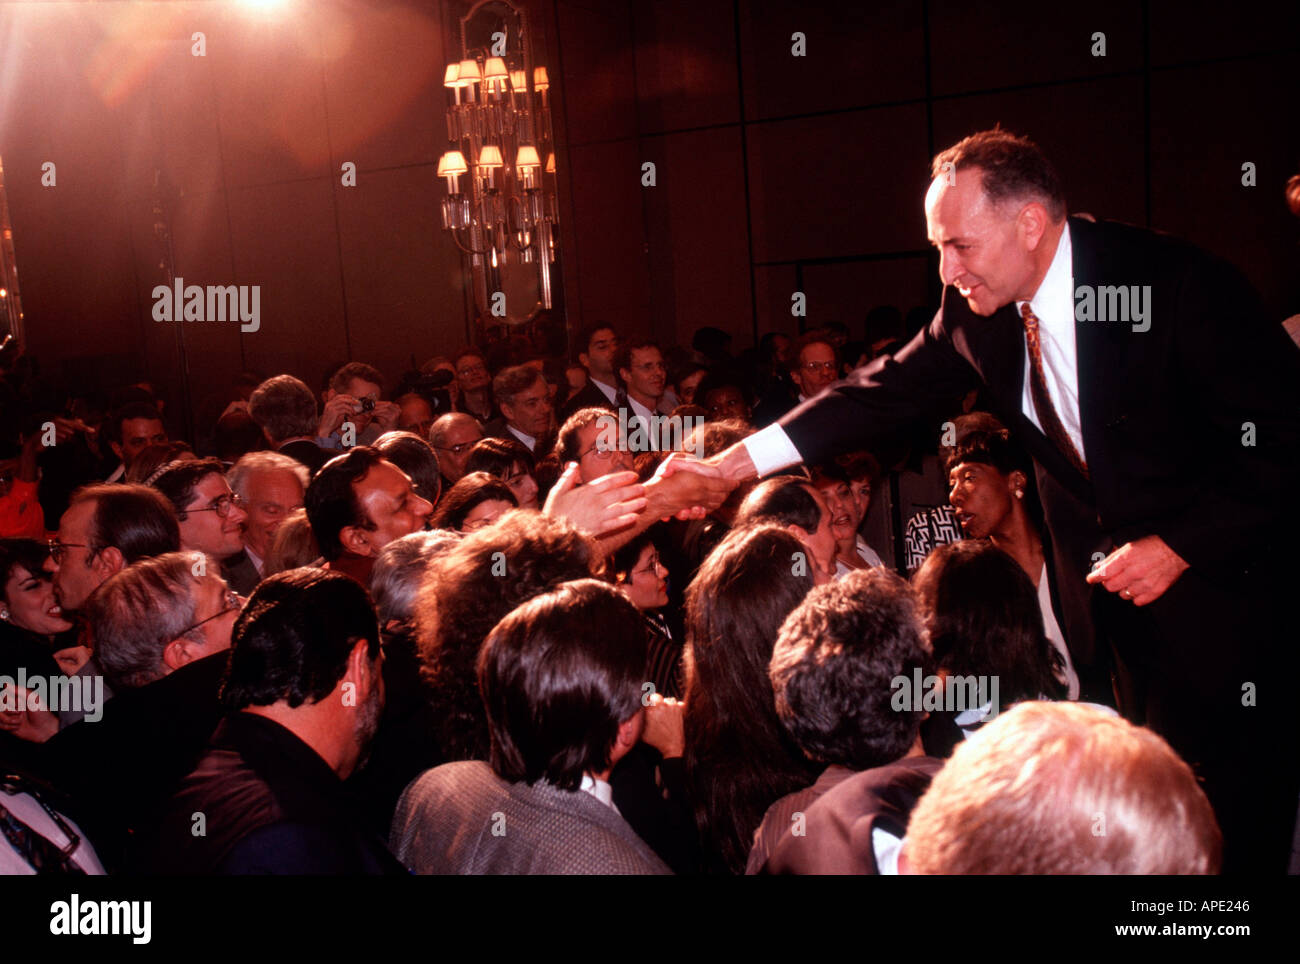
[
  {"x": 32, "y": 626},
  {"x": 739, "y": 758},
  {"x": 34, "y": 636},
  {"x": 474, "y": 503},
  {"x": 509, "y": 461},
  {"x": 983, "y": 619},
  {"x": 990, "y": 491},
  {"x": 640, "y": 575}
]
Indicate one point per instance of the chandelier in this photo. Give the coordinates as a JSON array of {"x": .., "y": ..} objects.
[{"x": 500, "y": 206}]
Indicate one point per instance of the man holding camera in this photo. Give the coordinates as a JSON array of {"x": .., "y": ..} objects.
[{"x": 354, "y": 396}]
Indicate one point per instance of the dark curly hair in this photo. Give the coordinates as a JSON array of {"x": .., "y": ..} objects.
[
  {"x": 833, "y": 666},
  {"x": 467, "y": 592}
]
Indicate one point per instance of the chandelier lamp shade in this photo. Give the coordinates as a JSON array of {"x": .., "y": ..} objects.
[{"x": 500, "y": 207}]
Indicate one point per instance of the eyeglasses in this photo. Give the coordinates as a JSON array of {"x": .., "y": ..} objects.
[
  {"x": 652, "y": 568},
  {"x": 234, "y": 603},
  {"x": 60, "y": 549},
  {"x": 812, "y": 366},
  {"x": 460, "y": 449},
  {"x": 221, "y": 505},
  {"x": 603, "y": 454},
  {"x": 472, "y": 370}
]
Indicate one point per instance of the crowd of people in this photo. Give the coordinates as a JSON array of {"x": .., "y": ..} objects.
[{"x": 460, "y": 627}]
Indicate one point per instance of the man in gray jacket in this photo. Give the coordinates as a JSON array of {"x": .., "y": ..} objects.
[{"x": 561, "y": 679}]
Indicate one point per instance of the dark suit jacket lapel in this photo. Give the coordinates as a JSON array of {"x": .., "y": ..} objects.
[{"x": 1100, "y": 345}]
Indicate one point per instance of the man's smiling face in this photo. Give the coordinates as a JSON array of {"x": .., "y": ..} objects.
[{"x": 982, "y": 249}]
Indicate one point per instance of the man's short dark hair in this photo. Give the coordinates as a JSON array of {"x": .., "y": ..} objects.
[
  {"x": 467, "y": 352},
  {"x": 293, "y": 638},
  {"x": 554, "y": 689},
  {"x": 331, "y": 500},
  {"x": 1012, "y": 169},
  {"x": 786, "y": 500},
  {"x": 509, "y": 382},
  {"x": 583, "y": 339},
  {"x": 128, "y": 411},
  {"x": 178, "y": 482},
  {"x": 416, "y": 457},
  {"x": 623, "y": 359},
  {"x": 285, "y": 408},
  {"x": 340, "y": 380},
  {"x": 134, "y": 519},
  {"x": 835, "y": 659},
  {"x": 566, "y": 442}
]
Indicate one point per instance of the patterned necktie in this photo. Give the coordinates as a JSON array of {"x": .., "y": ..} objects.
[{"x": 1043, "y": 406}]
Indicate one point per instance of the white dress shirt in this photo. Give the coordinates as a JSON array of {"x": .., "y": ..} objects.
[
  {"x": 609, "y": 391},
  {"x": 530, "y": 443},
  {"x": 770, "y": 449},
  {"x": 1052, "y": 629},
  {"x": 599, "y": 789},
  {"x": 865, "y": 553},
  {"x": 1053, "y": 303}
]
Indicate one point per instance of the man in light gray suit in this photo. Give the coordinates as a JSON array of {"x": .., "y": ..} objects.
[{"x": 561, "y": 679}]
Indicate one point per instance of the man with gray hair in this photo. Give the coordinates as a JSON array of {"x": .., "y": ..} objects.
[
  {"x": 525, "y": 403},
  {"x": 285, "y": 408},
  {"x": 158, "y": 615},
  {"x": 162, "y": 630},
  {"x": 270, "y": 486},
  {"x": 452, "y": 436},
  {"x": 398, "y": 572}
]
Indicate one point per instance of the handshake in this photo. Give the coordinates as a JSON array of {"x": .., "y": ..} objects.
[{"x": 617, "y": 507}]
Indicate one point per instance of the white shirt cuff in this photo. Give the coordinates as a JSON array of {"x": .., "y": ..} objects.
[{"x": 770, "y": 449}]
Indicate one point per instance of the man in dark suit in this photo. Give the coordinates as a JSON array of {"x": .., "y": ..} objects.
[
  {"x": 286, "y": 410},
  {"x": 597, "y": 345},
  {"x": 1162, "y": 409},
  {"x": 304, "y": 694},
  {"x": 526, "y": 412}
]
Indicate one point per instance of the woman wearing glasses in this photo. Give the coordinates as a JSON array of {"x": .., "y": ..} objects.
[{"x": 643, "y": 578}]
